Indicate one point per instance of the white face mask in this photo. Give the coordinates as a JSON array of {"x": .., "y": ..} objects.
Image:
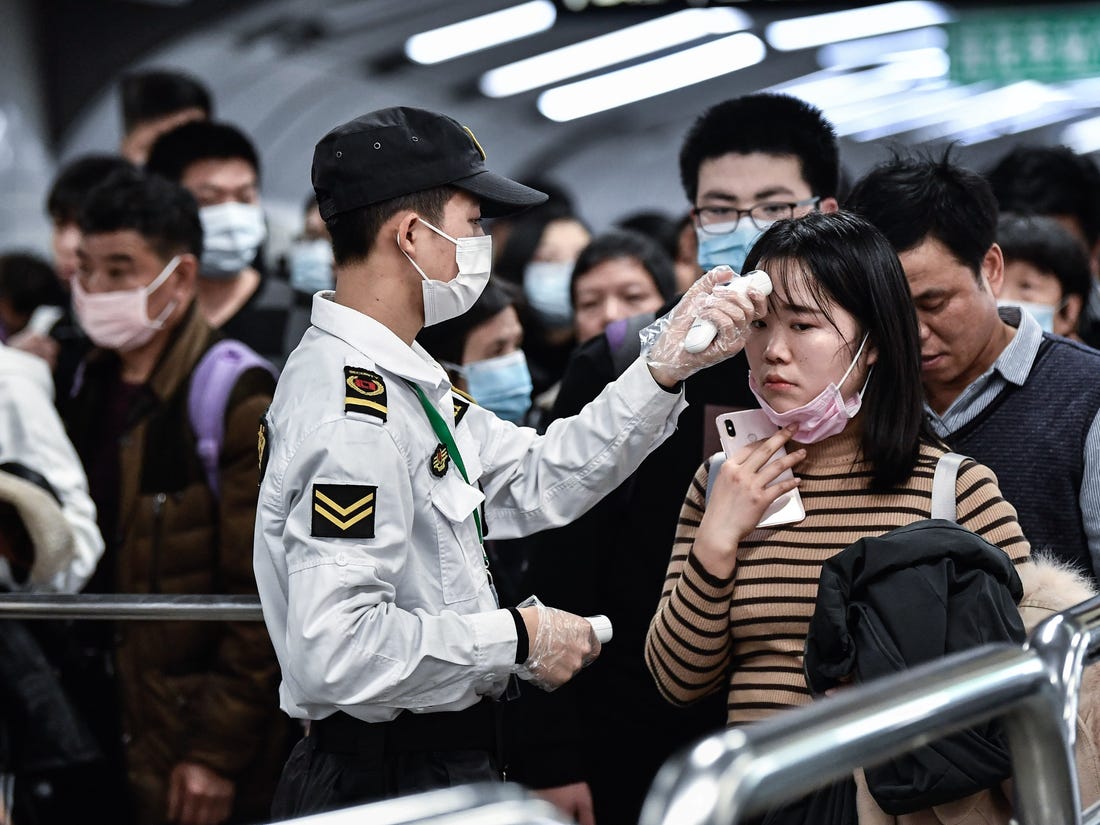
[
  {"x": 444, "y": 300},
  {"x": 231, "y": 235},
  {"x": 120, "y": 320}
]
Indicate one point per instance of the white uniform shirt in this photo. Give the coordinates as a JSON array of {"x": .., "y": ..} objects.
[
  {"x": 31, "y": 434},
  {"x": 367, "y": 559}
]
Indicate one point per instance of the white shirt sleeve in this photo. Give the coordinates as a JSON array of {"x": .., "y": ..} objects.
[{"x": 534, "y": 482}]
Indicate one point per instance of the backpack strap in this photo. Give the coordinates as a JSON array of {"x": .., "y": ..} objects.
[
  {"x": 208, "y": 396},
  {"x": 943, "y": 485}
]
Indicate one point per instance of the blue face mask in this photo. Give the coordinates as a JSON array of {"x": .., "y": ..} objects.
[
  {"x": 1043, "y": 313},
  {"x": 501, "y": 384},
  {"x": 731, "y": 247},
  {"x": 311, "y": 266},
  {"x": 546, "y": 285}
]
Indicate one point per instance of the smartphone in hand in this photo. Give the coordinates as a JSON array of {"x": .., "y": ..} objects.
[{"x": 739, "y": 429}]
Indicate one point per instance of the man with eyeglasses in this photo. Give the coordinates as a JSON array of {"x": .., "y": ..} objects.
[{"x": 744, "y": 164}]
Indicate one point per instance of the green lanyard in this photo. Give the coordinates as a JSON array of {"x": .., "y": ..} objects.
[{"x": 443, "y": 433}]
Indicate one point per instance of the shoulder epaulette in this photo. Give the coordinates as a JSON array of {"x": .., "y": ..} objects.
[
  {"x": 462, "y": 402},
  {"x": 364, "y": 392}
]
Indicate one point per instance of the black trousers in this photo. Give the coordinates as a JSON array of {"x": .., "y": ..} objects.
[{"x": 344, "y": 762}]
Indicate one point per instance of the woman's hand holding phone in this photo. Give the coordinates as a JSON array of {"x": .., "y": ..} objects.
[{"x": 746, "y": 487}]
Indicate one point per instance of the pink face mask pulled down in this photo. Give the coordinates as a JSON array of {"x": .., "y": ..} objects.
[
  {"x": 120, "y": 320},
  {"x": 825, "y": 415}
]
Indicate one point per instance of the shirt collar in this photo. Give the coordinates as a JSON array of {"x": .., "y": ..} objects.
[
  {"x": 377, "y": 342},
  {"x": 1014, "y": 363}
]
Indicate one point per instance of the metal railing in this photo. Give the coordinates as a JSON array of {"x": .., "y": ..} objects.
[
  {"x": 477, "y": 804},
  {"x": 742, "y": 772},
  {"x": 130, "y": 606}
]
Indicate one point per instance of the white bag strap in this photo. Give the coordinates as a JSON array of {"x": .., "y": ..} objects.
[
  {"x": 715, "y": 464},
  {"x": 943, "y": 485}
]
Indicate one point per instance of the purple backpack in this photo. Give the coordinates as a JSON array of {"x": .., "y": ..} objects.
[{"x": 208, "y": 396}]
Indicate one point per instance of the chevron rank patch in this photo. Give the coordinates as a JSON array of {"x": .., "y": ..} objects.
[
  {"x": 461, "y": 403},
  {"x": 343, "y": 511},
  {"x": 364, "y": 392}
]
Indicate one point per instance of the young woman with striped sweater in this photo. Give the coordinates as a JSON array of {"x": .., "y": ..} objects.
[{"x": 839, "y": 354}]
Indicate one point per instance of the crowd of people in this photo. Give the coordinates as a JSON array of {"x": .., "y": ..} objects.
[{"x": 451, "y": 420}]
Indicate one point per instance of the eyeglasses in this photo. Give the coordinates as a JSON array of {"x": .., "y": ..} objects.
[{"x": 716, "y": 220}]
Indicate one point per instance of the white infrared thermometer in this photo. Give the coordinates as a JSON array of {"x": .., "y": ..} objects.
[
  {"x": 702, "y": 332},
  {"x": 602, "y": 626}
]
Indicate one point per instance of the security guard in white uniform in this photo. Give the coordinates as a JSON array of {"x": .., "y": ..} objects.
[{"x": 380, "y": 482}]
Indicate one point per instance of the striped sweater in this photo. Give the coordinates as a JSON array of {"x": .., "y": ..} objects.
[{"x": 750, "y": 628}]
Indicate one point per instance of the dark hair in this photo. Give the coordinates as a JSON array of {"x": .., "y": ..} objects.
[
  {"x": 447, "y": 340},
  {"x": 660, "y": 227},
  {"x": 161, "y": 211},
  {"x": 625, "y": 243},
  {"x": 774, "y": 124},
  {"x": 523, "y": 239},
  {"x": 28, "y": 282},
  {"x": 197, "y": 140},
  {"x": 1049, "y": 180},
  {"x": 75, "y": 180},
  {"x": 853, "y": 265},
  {"x": 1048, "y": 246},
  {"x": 148, "y": 95},
  {"x": 910, "y": 199},
  {"x": 353, "y": 232}
]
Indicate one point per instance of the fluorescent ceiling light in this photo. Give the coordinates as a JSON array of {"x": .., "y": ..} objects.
[
  {"x": 654, "y": 77},
  {"x": 1083, "y": 136},
  {"x": 871, "y": 50},
  {"x": 608, "y": 49},
  {"x": 819, "y": 29},
  {"x": 481, "y": 32}
]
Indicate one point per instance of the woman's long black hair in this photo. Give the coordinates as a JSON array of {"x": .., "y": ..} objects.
[{"x": 853, "y": 265}]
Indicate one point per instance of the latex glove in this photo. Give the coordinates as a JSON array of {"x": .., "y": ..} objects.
[
  {"x": 731, "y": 311},
  {"x": 575, "y": 801},
  {"x": 198, "y": 795},
  {"x": 562, "y": 643}
]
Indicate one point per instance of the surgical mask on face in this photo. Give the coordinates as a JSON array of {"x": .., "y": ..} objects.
[
  {"x": 311, "y": 266},
  {"x": 546, "y": 284},
  {"x": 120, "y": 320},
  {"x": 825, "y": 415},
  {"x": 727, "y": 243},
  {"x": 231, "y": 235},
  {"x": 444, "y": 300},
  {"x": 1043, "y": 313},
  {"x": 501, "y": 384}
]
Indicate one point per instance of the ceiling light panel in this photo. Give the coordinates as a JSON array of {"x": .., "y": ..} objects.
[
  {"x": 606, "y": 50},
  {"x": 654, "y": 77},
  {"x": 481, "y": 32},
  {"x": 831, "y": 27}
]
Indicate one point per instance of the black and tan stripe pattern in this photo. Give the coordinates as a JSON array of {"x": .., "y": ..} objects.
[{"x": 753, "y": 625}]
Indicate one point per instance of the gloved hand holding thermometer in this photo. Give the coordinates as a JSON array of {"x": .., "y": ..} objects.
[
  {"x": 702, "y": 331},
  {"x": 707, "y": 325}
]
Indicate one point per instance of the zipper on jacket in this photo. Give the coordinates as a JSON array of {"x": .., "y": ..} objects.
[{"x": 154, "y": 559}]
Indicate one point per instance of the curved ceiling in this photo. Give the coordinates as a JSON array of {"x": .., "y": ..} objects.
[{"x": 286, "y": 71}]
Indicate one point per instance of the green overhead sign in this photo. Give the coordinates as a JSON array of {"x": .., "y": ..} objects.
[{"x": 1054, "y": 44}]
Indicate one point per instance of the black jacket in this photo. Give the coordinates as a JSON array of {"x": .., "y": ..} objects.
[{"x": 913, "y": 595}]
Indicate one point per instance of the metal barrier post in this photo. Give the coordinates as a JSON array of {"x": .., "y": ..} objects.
[{"x": 744, "y": 771}]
